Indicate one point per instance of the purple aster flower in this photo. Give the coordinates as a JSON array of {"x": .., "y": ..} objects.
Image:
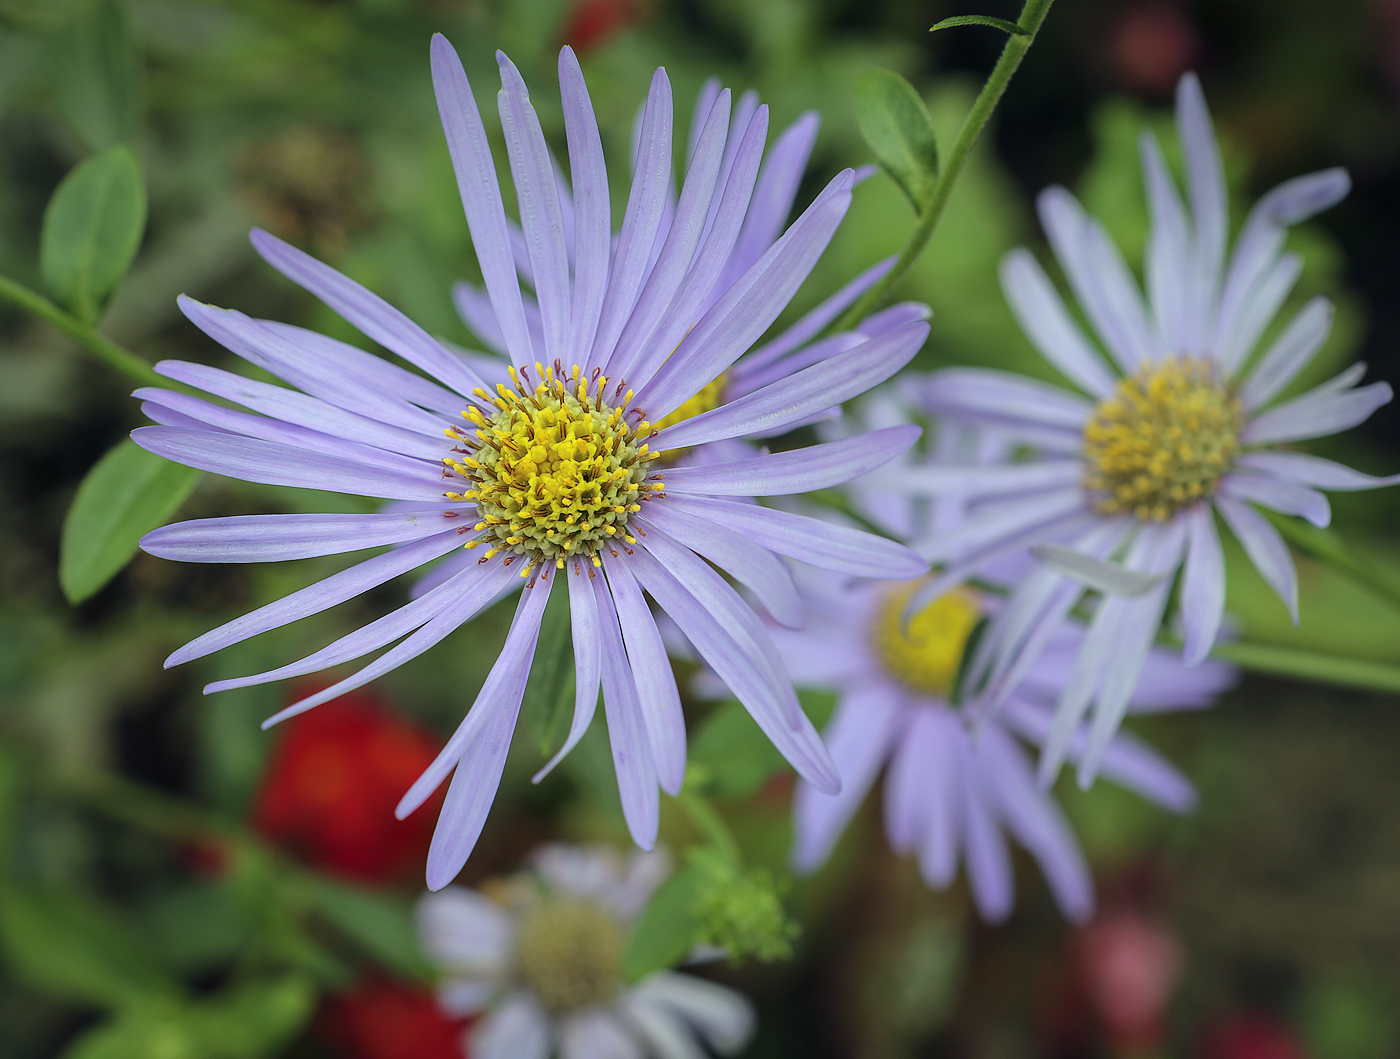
[
  {"x": 539, "y": 959},
  {"x": 551, "y": 475},
  {"x": 1181, "y": 428}
]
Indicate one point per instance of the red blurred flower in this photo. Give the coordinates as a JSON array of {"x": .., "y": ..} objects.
[
  {"x": 594, "y": 21},
  {"x": 382, "y": 1019},
  {"x": 333, "y": 781},
  {"x": 1151, "y": 45},
  {"x": 1251, "y": 1035},
  {"x": 1129, "y": 966}
]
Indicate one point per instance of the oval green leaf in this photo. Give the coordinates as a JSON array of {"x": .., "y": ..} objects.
[
  {"x": 665, "y": 931},
  {"x": 92, "y": 228},
  {"x": 128, "y": 493},
  {"x": 897, "y": 128}
]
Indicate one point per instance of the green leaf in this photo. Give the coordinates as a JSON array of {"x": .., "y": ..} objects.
[
  {"x": 980, "y": 20},
  {"x": 549, "y": 695},
  {"x": 152, "y": 1034},
  {"x": 897, "y": 128},
  {"x": 379, "y": 924},
  {"x": 65, "y": 944},
  {"x": 734, "y": 754},
  {"x": 253, "y": 1019},
  {"x": 665, "y": 931},
  {"x": 128, "y": 493},
  {"x": 96, "y": 74},
  {"x": 92, "y": 228}
]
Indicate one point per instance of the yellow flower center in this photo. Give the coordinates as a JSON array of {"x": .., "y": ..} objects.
[
  {"x": 569, "y": 953},
  {"x": 556, "y": 471},
  {"x": 709, "y": 398},
  {"x": 925, "y": 652},
  {"x": 1162, "y": 440}
]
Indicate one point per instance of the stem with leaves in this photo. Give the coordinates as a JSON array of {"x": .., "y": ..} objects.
[{"x": 1017, "y": 44}]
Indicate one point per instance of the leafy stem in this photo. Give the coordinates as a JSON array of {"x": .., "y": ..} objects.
[
  {"x": 1032, "y": 15},
  {"x": 85, "y": 335},
  {"x": 1325, "y": 545}
]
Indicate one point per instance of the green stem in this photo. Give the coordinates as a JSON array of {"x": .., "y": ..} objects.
[
  {"x": 140, "y": 806},
  {"x": 709, "y": 823},
  {"x": 99, "y": 345},
  {"x": 1032, "y": 15},
  {"x": 1273, "y": 660},
  {"x": 1325, "y": 545}
]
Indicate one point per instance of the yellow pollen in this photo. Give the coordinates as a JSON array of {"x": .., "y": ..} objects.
[
  {"x": 925, "y": 653},
  {"x": 709, "y": 398},
  {"x": 569, "y": 954},
  {"x": 1162, "y": 440},
  {"x": 555, "y": 470}
]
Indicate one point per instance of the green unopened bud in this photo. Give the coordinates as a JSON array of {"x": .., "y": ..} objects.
[{"x": 741, "y": 911}]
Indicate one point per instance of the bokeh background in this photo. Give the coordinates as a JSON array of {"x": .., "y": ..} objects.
[{"x": 164, "y": 863}]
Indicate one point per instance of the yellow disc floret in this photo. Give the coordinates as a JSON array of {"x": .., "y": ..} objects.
[
  {"x": 925, "y": 651},
  {"x": 568, "y": 952},
  {"x": 706, "y": 400},
  {"x": 557, "y": 470},
  {"x": 1162, "y": 439}
]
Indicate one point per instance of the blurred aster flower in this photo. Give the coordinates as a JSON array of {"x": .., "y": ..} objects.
[
  {"x": 1181, "y": 432},
  {"x": 539, "y": 959},
  {"x": 551, "y": 471}
]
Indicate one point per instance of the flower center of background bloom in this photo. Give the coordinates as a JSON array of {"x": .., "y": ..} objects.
[
  {"x": 925, "y": 653},
  {"x": 1162, "y": 440},
  {"x": 569, "y": 953},
  {"x": 556, "y": 471},
  {"x": 711, "y": 397}
]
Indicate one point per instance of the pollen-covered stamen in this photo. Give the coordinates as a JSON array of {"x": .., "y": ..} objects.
[
  {"x": 924, "y": 652},
  {"x": 556, "y": 470},
  {"x": 1162, "y": 440},
  {"x": 568, "y": 952}
]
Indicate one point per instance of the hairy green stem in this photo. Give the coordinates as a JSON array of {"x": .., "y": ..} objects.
[
  {"x": 99, "y": 345},
  {"x": 1277, "y": 661},
  {"x": 1032, "y": 15}
]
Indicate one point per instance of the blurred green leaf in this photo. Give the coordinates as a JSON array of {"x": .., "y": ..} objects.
[
  {"x": 64, "y": 943},
  {"x": 380, "y": 924},
  {"x": 92, "y": 229},
  {"x": 128, "y": 493},
  {"x": 897, "y": 128},
  {"x": 232, "y": 746},
  {"x": 549, "y": 695},
  {"x": 665, "y": 931},
  {"x": 197, "y": 926},
  {"x": 146, "y": 1035},
  {"x": 736, "y": 757},
  {"x": 96, "y": 74},
  {"x": 980, "y": 20}
]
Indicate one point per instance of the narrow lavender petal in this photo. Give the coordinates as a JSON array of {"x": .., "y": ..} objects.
[
  {"x": 1120, "y": 294},
  {"x": 678, "y": 250},
  {"x": 541, "y": 216},
  {"x": 745, "y": 109},
  {"x": 704, "y": 100},
  {"x": 646, "y": 204},
  {"x": 971, "y": 483},
  {"x": 1313, "y": 470},
  {"x": 366, "y": 311},
  {"x": 1316, "y": 414},
  {"x": 504, "y": 686},
  {"x": 1001, "y": 396},
  {"x": 470, "y": 588},
  {"x": 821, "y": 544},
  {"x": 752, "y": 565},
  {"x": 481, "y": 196},
  {"x": 474, "y": 307},
  {"x": 273, "y": 464},
  {"x": 655, "y": 684},
  {"x": 1043, "y": 317},
  {"x": 809, "y": 391},
  {"x": 299, "y": 409},
  {"x": 906, "y": 804},
  {"x": 699, "y": 283},
  {"x": 746, "y": 676},
  {"x": 797, "y": 470},
  {"x": 1290, "y": 353},
  {"x": 592, "y": 208},
  {"x": 1286, "y": 495},
  {"x": 859, "y": 737},
  {"x": 276, "y": 538},
  {"x": 460, "y": 609},
  {"x": 1258, "y": 312},
  {"x": 748, "y": 309},
  {"x": 1032, "y": 816},
  {"x": 587, "y": 639},
  {"x": 1205, "y": 184},
  {"x": 937, "y": 739},
  {"x": 774, "y": 196},
  {"x": 1265, "y": 549},
  {"x": 516, "y": 1028},
  {"x": 198, "y": 415},
  {"x": 323, "y": 595},
  {"x": 994, "y": 523},
  {"x": 813, "y": 321},
  {"x": 1170, "y": 265},
  {"x": 742, "y": 383},
  {"x": 1202, "y": 585},
  {"x": 988, "y": 860}
]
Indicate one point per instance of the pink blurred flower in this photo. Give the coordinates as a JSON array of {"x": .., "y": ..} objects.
[{"x": 1129, "y": 966}]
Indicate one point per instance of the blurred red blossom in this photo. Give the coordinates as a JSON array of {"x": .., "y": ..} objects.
[
  {"x": 1150, "y": 46},
  {"x": 594, "y": 22},
  {"x": 383, "y": 1019},
  {"x": 1251, "y": 1034},
  {"x": 1129, "y": 965},
  {"x": 332, "y": 783}
]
